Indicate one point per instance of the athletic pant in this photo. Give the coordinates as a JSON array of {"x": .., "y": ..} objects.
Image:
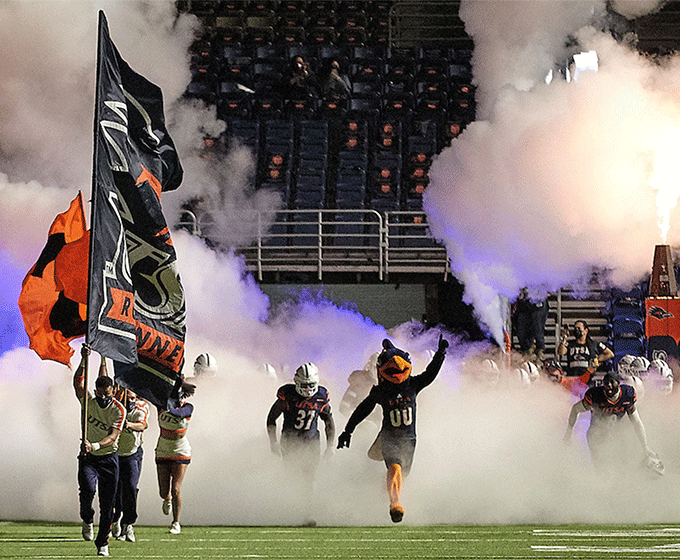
[
  {"x": 98, "y": 473},
  {"x": 128, "y": 480}
]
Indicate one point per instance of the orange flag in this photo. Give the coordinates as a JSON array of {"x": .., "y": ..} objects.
[{"x": 53, "y": 295}]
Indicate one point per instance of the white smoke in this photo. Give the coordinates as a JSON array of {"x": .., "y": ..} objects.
[
  {"x": 484, "y": 454},
  {"x": 555, "y": 180}
]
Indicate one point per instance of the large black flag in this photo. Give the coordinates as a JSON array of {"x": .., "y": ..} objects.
[{"x": 136, "y": 311}]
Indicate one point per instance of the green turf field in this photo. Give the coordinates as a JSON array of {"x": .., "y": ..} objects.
[{"x": 36, "y": 540}]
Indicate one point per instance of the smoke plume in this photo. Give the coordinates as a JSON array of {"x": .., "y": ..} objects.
[{"x": 551, "y": 181}]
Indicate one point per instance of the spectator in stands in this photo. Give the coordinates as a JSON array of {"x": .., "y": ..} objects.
[
  {"x": 529, "y": 315},
  {"x": 582, "y": 352},
  {"x": 299, "y": 82},
  {"x": 335, "y": 87}
]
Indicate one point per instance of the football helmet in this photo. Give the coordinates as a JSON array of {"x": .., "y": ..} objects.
[
  {"x": 623, "y": 367},
  {"x": 531, "y": 371},
  {"x": 306, "y": 380},
  {"x": 522, "y": 376},
  {"x": 554, "y": 370},
  {"x": 269, "y": 371},
  {"x": 205, "y": 365},
  {"x": 394, "y": 365},
  {"x": 490, "y": 371},
  {"x": 661, "y": 374},
  {"x": 639, "y": 366}
]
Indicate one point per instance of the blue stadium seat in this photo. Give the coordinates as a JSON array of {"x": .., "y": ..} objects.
[
  {"x": 291, "y": 35},
  {"x": 626, "y": 327},
  {"x": 349, "y": 229},
  {"x": 246, "y": 132},
  {"x": 634, "y": 346},
  {"x": 386, "y": 175}
]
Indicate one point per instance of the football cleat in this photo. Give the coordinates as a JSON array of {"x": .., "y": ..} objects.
[
  {"x": 128, "y": 533},
  {"x": 88, "y": 531},
  {"x": 115, "y": 529},
  {"x": 396, "y": 513},
  {"x": 175, "y": 529},
  {"x": 103, "y": 550},
  {"x": 167, "y": 504}
]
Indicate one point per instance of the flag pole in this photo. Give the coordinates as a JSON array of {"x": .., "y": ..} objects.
[{"x": 86, "y": 368}]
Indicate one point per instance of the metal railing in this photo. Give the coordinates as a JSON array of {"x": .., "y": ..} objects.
[{"x": 322, "y": 242}]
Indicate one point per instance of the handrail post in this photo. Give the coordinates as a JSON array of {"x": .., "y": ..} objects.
[
  {"x": 384, "y": 240},
  {"x": 260, "y": 274},
  {"x": 319, "y": 244}
]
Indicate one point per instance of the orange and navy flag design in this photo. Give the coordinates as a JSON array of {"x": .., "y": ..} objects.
[
  {"x": 54, "y": 293},
  {"x": 136, "y": 302}
]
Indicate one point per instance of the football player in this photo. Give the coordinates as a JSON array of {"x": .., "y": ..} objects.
[
  {"x": 360, "y": 383},
  {"x": 396, "y": 393},
  {"x": 302, "y": 403},
  {"x": 608, "y": 403}
]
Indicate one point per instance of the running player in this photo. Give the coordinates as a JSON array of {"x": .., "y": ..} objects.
[{"x": 302, "y": 403}]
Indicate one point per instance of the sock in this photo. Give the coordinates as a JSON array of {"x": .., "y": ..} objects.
[{"x": 394, "y": 483}]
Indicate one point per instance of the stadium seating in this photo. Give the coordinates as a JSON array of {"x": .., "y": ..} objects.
[{"x": 406, "y": 102}]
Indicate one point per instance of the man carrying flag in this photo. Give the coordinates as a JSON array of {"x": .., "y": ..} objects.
[
  {"x": 129, "y": 285},
  {"x": 98, "y": 465}
]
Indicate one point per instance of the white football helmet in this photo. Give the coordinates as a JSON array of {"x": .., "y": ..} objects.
[
  {"x": 623, "y": 367},
  {"x": 639, "y": 366},
  {"x": 660, "y": 373},
  {"x": 490, "y": 371},
  {"x": 532, "y": 372},
  {"x": 269, "y": 371},
  {"x": 306, "y": 380},
  {"x": 636, "y": 383},
  {"x": 205, "y": 365},
  {"x": 522, "y": 376}
]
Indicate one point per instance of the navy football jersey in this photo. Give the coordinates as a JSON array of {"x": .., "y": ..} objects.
[
  {"x": 602, "y": 407},
  {"x": 301, "y": 415}
]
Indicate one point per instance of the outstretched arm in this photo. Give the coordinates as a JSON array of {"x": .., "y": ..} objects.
[{"x": 432, "y": 369}]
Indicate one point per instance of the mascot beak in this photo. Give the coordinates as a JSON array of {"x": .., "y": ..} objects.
[{"x": 395, "y": 370}]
